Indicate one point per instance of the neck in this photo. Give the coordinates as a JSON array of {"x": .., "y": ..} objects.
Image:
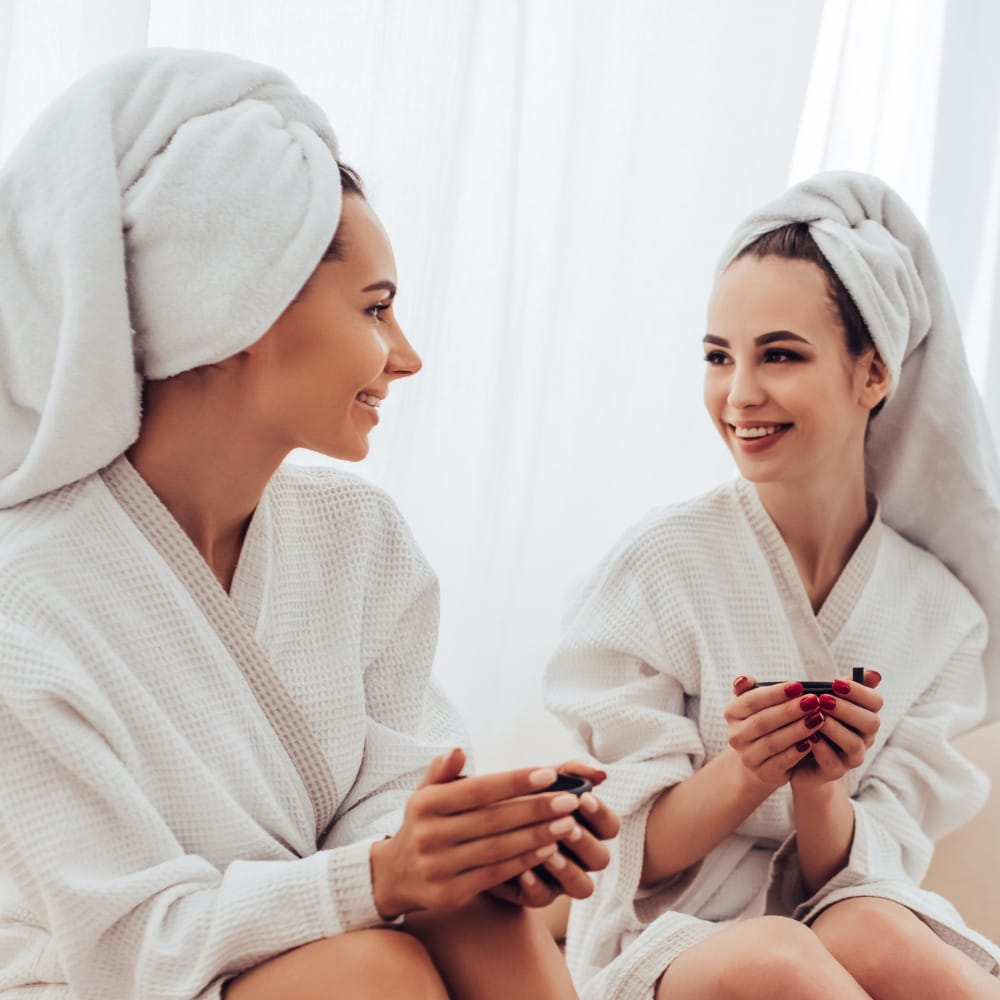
[
  {"x": 206, "y": 466},
  {"x": 821, "y": 519}
]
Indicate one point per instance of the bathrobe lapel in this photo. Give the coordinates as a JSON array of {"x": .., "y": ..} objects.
[
  {"x": 233, "y": 617},
  {"x": 813, "y": 633}
]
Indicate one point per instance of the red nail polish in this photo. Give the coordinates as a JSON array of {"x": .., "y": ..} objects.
[
  {"x": 803, "y": 745},
  {"x": 814, "y": 720},
  {"x": 815, "y": 737},
  {"x": 809, "y": 703},
  {"x": 878, "y": 675},
  {"x": 740, "y": 681},
  {"x": 841, "y": 687},
  {"x": 794, "y": 689},
  {"x": 827, "y": 702}
]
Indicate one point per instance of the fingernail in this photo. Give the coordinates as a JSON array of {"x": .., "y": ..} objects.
[
  {"x": 827, "y": 702},
  {"x": 814, "y": 720},
  {"x": 794, "y": 689},
  {"x": 802, "y": 746},
  {"x": 528, "y": 879},
  {"x": 815, "y": 737},
  {"x": 589, "y": 803},
  {"x": 740, "y": 681},
  {"x": 564, "y": 803},
  {"x": 557, "y": 860},
  {"x": 809, "y": 703},
  {"x": 878, "y": 675},
  {"x": 547, "y": 851},
  {"x": 563, "y": 825},
  {"x": 576, "y": 833},
  {"x": 841, "y": 687},
  {"x": 542, "y": 777}
]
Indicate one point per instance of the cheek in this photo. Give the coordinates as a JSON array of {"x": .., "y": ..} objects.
[{"x": 714, "y": 393}]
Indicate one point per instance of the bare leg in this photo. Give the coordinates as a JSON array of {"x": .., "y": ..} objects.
[
  {"x": 764, "y": 958},
  {"x": 491, "y": 950},
  {"x": 360, "y": 965},
  {"x": 894, "y": 954}
]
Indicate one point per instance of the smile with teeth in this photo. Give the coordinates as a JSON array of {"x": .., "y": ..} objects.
[
  {"x": 758, "y": 432},
  {"x": 368, "y": 399}
]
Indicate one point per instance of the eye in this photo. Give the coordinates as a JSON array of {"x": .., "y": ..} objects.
[
  {"x": 716, "y": 357},
  {"x": 780, "y": 356},
  {"x": 376, "y": 310}
]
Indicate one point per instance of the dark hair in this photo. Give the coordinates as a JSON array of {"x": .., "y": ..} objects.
[
  {"x": 795, "y": 242},
  {"x": 350, "y": 183}
]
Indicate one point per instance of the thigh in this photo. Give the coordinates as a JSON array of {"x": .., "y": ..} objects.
[
  {"x": 360, "y": 965},
  {"x": 867, "y": 935},
  {"x": 770, "y": 958},
  {"x": 493, "y": 950}
]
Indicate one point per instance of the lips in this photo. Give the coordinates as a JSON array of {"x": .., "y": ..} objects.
[
  {"x": 754, "y": 438},
  {"x": 369, "y": 399}
]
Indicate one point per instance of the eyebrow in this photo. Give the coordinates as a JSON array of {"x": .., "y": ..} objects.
[
  {"x": 764, "y": 338},
  {"x": 377, "y": 286}
]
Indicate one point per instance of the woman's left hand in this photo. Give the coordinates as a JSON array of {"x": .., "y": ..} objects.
[
  {"x": 846, "y": 734},
  {"x": 597, "y": 823}
]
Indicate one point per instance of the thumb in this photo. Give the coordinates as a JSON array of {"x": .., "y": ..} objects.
[{"x": 444, "y": 769}]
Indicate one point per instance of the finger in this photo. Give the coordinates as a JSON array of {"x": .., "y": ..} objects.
[
  {"x": 535, "y": 892},
  {"x": 472, "y": 793},
  {"x": 463, "y": 887},
  {"x": 444, "y": 768},
  {"x": 500, "y": 817},
  {"x": 598, "y": 818},
  {"x": 773, "y": 720},
  {"x": 583, "y": 769},
  {"x": 755, "y": 699},
  {"x": 743, "y": 683},
  {"x": 850, "y": 745},
  {"x": 780, "y": 742},
  {"x": 872, "y": 678},
  {"x": 572, "y": 879},
  {"x": 590, "y": 854},
  {"x": 859, "y": 694},
  {"x": 490, "y": 850},
  {"x": 850, "y": 714},
  {"x": 827, "y": 759}
]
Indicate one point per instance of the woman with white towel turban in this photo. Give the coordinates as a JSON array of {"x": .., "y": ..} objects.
[
  {"x": 220, "y": 748},
  {"x": 774, "y": 837}
]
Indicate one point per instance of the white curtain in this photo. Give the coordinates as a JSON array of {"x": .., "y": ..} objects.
[{"x": 557, "y": 177}]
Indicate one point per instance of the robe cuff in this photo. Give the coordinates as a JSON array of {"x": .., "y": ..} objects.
[{"x": 351, "y": 892}]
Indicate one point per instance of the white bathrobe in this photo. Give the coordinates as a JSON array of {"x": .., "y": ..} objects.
[
  {"x": 698, "y": 594},
  {"x": 171, "y": 757}
]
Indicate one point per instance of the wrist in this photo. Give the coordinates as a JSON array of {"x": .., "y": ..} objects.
[{"x": 380, "y": 864}]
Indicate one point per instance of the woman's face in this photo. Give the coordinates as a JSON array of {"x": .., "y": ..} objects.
[
  {"x": 327, "y": 363},
  {"x": 787, "y": 397}
]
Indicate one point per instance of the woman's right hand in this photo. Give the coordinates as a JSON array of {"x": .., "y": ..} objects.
[
  {"x": 772, "y": 728},
  {"x": 460, "y": 838}
]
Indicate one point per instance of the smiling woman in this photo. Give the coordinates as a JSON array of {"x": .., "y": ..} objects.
[
  {"x": 219, "y": 737},
  {"x": 774, "y": 838}
]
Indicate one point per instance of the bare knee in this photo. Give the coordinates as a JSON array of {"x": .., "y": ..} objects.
[{"x": 360, "y": 965}]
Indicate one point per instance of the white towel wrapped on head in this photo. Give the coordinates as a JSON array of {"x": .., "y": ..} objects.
[
  {"x": 930, "y": 455},
  {"x": 158, "y": 216}
]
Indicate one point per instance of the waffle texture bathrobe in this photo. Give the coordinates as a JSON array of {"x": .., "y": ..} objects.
[
  {"x": 190, "y": 780},
  {"x": 696, "y": 595}
]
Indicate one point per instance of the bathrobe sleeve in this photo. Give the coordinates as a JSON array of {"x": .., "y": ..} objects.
[
  {"x": 917, "y": 789},
  {"x": 409, "y": 722},
  {"x": 135, "y": 914},
  {"x": 621, "y": 683}
]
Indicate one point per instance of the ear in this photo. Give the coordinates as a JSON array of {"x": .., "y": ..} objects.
[{"x": 875, "y": 380}]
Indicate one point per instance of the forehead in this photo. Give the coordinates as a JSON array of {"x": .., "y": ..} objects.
[
  {"x": 366, "y": 243},
  {"x": 757, "y": 295}
]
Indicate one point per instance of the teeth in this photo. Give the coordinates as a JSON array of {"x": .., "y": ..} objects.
[
  {"x": 756, "y": 432},
  {"x": 369, "y": 400}
]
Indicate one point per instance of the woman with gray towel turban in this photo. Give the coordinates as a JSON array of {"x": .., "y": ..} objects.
[
  {"x": 224, "y": 768},
  {"x": 773, "y": 673}
]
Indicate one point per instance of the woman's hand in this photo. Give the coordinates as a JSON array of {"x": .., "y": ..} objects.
[
  {"x": 596, "y": 823},
  {"x": 462, "y": 837},
  {"x": 851, "y": 722},
  {"x": 772, "y": 728}
]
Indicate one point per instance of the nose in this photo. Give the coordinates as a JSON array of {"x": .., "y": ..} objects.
[
  {"x": 403, "y": 360},
  {"x": 744, "y": 388}
]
